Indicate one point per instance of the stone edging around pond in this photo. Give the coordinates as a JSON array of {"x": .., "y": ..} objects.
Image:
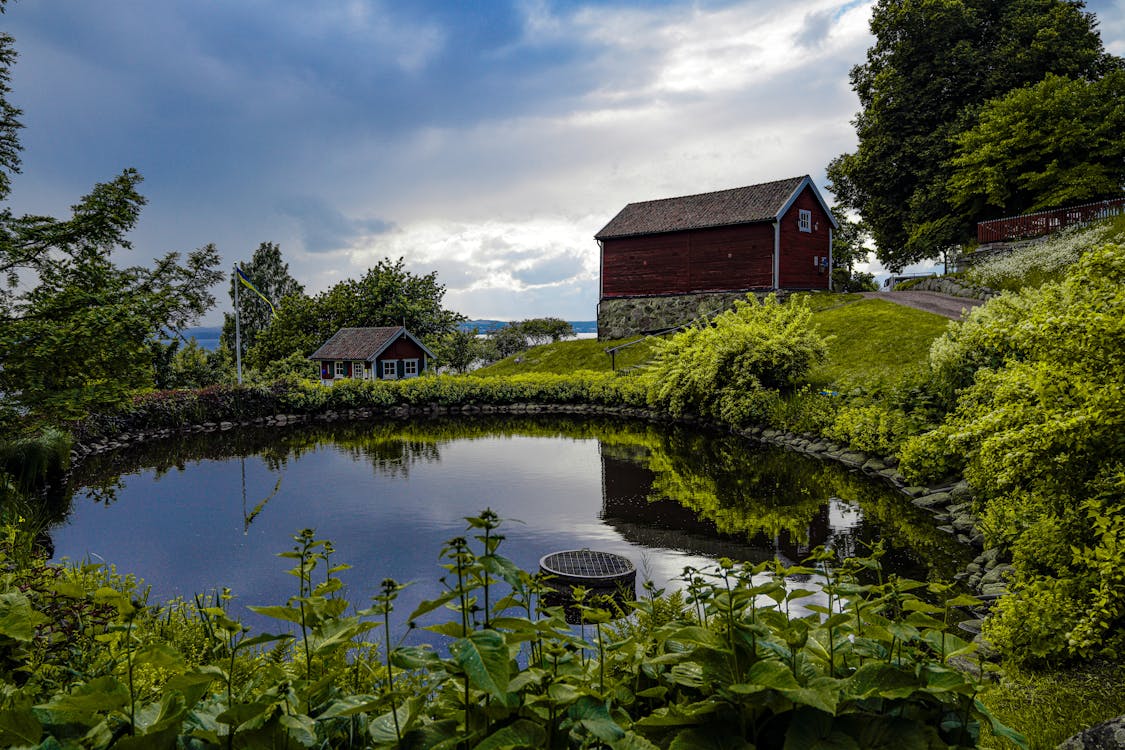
[{"x": 950, "y": 504}]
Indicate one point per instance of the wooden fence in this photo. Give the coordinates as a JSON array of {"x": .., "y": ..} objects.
[{"x": 1044, "y": 222}]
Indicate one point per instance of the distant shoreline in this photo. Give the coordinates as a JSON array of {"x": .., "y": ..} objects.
[{"x": 207, "y": 337}]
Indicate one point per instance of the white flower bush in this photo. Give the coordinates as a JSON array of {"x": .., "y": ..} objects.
[{"x": 1035, "y": 264}]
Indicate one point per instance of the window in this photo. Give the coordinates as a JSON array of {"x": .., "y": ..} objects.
[
  {"x": 804, "y": 220},
  {"x": 390, "y": 369},
  {"x": 357, "y": 370},
  {"x": 341, "y": 369},
  {"x": 410, "y": 368}
]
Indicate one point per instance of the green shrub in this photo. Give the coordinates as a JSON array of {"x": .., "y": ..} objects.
[
  {"x": 1038, "y": 433},
  {"x": 722, "y": 369},
  {"x": 871, "y": 428}
]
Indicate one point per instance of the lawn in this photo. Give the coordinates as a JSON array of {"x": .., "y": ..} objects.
[
  {"x": 873, "y": 344},
  {"x": 569, "y": 356}
]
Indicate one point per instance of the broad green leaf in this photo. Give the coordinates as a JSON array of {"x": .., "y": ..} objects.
[
  {"x": 100, "y": 694},
  {"x": 953, "y": 645},
  {"x": 515, "y": 624},
  {"x": 503, "y": 568},
  {"x": 382, "y": 728},
  {"x": 436, "y": 735},
  {"x": 670, "y": 716},
  {"x": 415, "y": 657},
  {"x": 892, "y": 733},
  {"x": 17, "y": 618},
  {"x": 594, "y": 716},
  {"x": 451, "y": 629},
  {"x": 917, "y": 605},
  {"x": 19, "y": 727},
  {"x": 940, "y": 680},
  {"x": 1000, "y": 729},
  {"x": 484, "y": 658},
  {"x": 351, "y": 705},
  {"x": 698, "y": 636},
  {"x": 633, "y": 741},
  {"x": 429, "y": 605},
  {"x": 288, "y": 614},
  {"x": 810, "y": 729},
  {"x": 521, "y": 733},
  {"x": 261, "y": 638},
  {"x": 161, "y": 656},
  {"x": 881, "y": 680},
  {"x": 771, "y": 673},
  {"x": 300, "y": 728},
  {"x": 708, "y": 738},
  {"x": 563, "y": 694},
  {"x": 822, "y": 693}
]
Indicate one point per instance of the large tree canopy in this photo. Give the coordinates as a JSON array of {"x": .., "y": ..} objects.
[
  {"x": 387, "y": 295},
  {"x": 933, "y": 64},
  {"x": 1056, "y": 143}
]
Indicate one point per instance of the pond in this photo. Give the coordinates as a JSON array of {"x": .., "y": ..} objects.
[{"x": 195, "y": 514}]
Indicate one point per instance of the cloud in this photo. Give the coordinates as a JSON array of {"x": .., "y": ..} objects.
[{"x": 324, "y": 229}]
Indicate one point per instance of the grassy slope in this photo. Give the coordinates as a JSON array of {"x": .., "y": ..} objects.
[
  {"x": 569, "y": 356},
  {"x": 872, "y": 343}
]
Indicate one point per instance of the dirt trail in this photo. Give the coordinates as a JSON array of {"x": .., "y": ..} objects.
[{"x": 935, "y": 302}]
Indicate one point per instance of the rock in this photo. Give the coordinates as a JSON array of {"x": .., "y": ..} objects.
[
  {"x": 938, "y": 498},
  {"x": 853, "y": 459},
  {"x": 873, "y": 466},
  {"x": 1109, "y": 735},
  {"x": 914, "y": 491},
  {"x": 963, "y": 521}
]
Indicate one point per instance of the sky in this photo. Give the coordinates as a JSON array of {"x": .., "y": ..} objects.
[{"x": 485, "y": 140}]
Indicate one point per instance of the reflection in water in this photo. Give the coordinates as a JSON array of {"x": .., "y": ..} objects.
[{"x": 390, "y": 495}]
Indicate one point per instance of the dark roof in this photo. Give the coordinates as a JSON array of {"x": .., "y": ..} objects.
[
  {"x": 362, "y": 343},
  {"x": 744, "y": 205}
]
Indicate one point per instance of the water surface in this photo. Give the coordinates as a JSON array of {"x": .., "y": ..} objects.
[{"x": 199, "y": 513}]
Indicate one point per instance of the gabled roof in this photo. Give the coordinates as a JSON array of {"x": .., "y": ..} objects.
[
  {"x": 745, "y": 205},
  {"x": 363, "y": 343}
]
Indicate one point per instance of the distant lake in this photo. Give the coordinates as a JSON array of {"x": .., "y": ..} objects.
[
  {"x": 208, "y": 336},
  {"x": 204, "y": 511}
]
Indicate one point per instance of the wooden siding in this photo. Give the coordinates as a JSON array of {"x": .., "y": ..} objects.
[
  {"x": 702, "y": 260},
  {"x": 798, "y": 269}
]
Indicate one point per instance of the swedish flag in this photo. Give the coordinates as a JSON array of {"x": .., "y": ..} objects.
[{"x": 246, "y": 283}]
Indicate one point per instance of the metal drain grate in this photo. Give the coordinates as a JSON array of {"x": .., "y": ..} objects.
[{"x": 587, "y": 565}]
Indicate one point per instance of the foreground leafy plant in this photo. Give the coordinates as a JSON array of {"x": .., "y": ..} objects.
[{"x": 746, "y": 658}]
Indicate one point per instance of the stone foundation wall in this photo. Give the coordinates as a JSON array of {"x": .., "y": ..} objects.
[{"x": 619, "y": 317}]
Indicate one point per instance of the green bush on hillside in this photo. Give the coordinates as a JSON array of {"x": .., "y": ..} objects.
[
  {"x": 1039, "y": 434},
  {"x": 732, "y": 368}
]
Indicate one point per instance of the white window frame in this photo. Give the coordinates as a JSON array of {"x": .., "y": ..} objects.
[
  {"x": 340, "y": 370},
  {"x": 804, "y": 220},
  {"x": 357, "y": 366},
  {"x": 391, "y": 372},
  {"x": 410, "y": 368}
]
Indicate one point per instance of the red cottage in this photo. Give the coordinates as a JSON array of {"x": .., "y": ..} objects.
[
  {"x": 371, "y": 354},
  {"x": 709, "y": 249}
]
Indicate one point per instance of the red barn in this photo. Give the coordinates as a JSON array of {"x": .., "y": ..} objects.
[
  {"x": 371, "y": 354},
  {"x": 776, "y": 235}
]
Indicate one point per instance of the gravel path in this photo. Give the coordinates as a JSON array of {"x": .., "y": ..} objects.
[{"x": 942, "y": 304}]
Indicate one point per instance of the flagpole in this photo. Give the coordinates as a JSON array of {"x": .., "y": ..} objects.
[{"x": 237, "y": 328}]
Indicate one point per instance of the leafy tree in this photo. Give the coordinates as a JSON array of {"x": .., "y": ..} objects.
[
  {"x": 521, "y": 335},
  {"x": 847, "y": 250},
  {"x": 76, "y": 331},
  {"x": 459, "y": 349},
  {"x": 933, "y": 64},
  {"x": 270, "y": 274},
  {"x": 387, "y": 295},
  {"x": 1055, "y": 143},
  {"x": 544, "y": 330},
  {"x": 80, "y": 336}
]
